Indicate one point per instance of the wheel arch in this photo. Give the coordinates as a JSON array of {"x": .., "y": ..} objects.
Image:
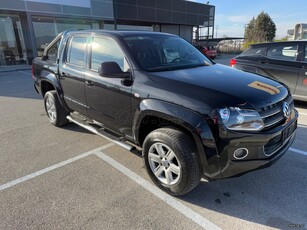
[
  {"x": 153, "y": 114},
  {"x": 48, "y": 82}
]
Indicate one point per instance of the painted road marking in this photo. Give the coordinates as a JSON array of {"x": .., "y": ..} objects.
[
  {"x": 298, "y": 151},
  {"x": 302, "y": 113},
  {"x": 53, "y": 167},
  {"x": 171, "y": 201}
]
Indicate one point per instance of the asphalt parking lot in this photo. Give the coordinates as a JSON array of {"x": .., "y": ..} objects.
[{"x": 68, "y": 178}]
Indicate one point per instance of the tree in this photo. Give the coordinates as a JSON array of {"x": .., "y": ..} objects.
[{"x": 261, "y": 29}]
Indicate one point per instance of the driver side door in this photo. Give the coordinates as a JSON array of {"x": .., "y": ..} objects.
[{"x": 108, "y": 99}]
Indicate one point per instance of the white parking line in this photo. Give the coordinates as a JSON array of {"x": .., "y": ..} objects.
[
  {"x": 302, "y": 114},
  {"x": 53, "y": 167},
  {"x": 298, "y": 151},
  {"x": 189, "y": 213}
]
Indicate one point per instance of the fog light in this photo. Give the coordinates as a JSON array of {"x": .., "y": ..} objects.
[{"x": 240, "y": 153}]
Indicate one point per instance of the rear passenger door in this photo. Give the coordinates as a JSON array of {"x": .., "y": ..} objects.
[
  {"x": 282, "y": 65},
  {"x": 72, "y": 74},
  {"x": 301, "y": 88}
]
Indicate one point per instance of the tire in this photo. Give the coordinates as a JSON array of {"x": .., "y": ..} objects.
[
  {"x": 170, "y": 159},
  {"x": 54, "y": 110}
]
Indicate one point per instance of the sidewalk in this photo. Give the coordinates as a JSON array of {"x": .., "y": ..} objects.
[{"x": 11, "y": 68}]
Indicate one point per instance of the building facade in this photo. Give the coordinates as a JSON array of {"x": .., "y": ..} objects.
[
  {"x": 27, "y": 26},
  {"x": 298, "y": 33}
]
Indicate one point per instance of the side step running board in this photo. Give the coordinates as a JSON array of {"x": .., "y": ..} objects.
[{"x": 102, "y": 134}]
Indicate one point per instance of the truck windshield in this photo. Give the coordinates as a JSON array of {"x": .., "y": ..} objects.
[{"x": 163, "y": 53}]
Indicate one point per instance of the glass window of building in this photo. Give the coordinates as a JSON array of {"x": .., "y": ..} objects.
[
  {"x": 46, "y": 29},
  {"x": 134, "y": 27},
  {"x": 12, "y": 48},
  {"x": 45, "y": 32},
  {"x": 75, "y": 24},
  {"x": 108, "y": 26}
]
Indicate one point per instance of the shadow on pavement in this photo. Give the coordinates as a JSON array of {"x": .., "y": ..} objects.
[
  {"x": 17, "y": 84},
  {"x": 301, "y": 104},
  {"x": 74, "y": 128},
  {"x": 274, "y": 196}
]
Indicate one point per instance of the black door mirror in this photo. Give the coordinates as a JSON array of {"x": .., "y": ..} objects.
[
  {"x": 112, "y": 70},
  {"x": 44, "y": 58}
]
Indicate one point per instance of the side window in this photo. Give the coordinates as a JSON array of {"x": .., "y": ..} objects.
[
  {"x": 283, "y": 52},
  {"x": 254, "y": 51},
  {"x": 106, "y": 50},
  {"x": 76, "y": 50},
  {"x": 53, "y": 51}
]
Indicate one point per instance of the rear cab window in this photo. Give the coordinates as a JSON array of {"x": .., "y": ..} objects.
[{"x": 51, "y": 53}]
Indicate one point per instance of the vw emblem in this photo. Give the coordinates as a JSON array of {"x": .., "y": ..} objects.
[{"x": 286, "y": 110}]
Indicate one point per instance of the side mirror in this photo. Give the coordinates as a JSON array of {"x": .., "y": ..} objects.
[
  {"x": 44, "y": 58},
  {"x": 112, "y": 70}
]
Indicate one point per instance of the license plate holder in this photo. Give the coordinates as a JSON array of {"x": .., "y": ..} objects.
[{"x": 288, "y": 131}]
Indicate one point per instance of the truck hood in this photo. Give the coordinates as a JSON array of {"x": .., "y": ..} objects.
[{"x": 219, "y": 85}]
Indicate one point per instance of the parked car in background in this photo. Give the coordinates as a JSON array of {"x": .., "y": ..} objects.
[
  {"x": 283, "y": 61},
  {"x": 209, "y": 51}
]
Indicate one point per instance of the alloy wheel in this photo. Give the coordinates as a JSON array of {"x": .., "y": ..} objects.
[{"x": 164, "y": 163}]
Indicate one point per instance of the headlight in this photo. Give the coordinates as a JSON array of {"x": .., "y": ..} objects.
[{"x": 235, "y": 118}]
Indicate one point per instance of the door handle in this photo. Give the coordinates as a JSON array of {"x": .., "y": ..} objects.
[
  {"x": 89, "y": 83},
  {"x": 62, "y": 75}
]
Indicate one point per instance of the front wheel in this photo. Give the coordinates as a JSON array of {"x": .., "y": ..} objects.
[
  {"x": 54, "y": 110},
  {"x": 171, "y": 162}
]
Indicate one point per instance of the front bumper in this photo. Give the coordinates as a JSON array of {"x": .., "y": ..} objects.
[{"x": 263, "y": 148}]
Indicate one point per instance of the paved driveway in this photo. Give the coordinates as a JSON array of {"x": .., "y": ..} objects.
[{"x": 68, "y": 178}]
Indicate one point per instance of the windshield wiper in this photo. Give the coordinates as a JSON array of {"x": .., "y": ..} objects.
[{"x": 200, "y": 65}]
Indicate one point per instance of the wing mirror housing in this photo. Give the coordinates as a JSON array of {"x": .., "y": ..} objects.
[{"x": 112, "y": 70}]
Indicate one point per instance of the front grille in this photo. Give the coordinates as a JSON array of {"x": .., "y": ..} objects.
[
  {"x": 273, "y": 115},
  {"x": 280, "y": 140}
]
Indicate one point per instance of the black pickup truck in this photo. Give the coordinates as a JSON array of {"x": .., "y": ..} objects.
[{"x": 193, "y": 118}]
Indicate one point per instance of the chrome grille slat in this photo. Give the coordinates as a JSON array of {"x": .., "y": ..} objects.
[
  {"x": 274, "y": 122},
  {"x": 272, "y": 115}
]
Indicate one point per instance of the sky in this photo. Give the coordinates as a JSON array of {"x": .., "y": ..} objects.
[{"x": 232, "y": 16}]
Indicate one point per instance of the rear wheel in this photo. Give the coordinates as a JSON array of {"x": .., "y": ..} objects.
[
  {"x": 171, "y": 162},
  {"x": 55, "y": 112}
]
